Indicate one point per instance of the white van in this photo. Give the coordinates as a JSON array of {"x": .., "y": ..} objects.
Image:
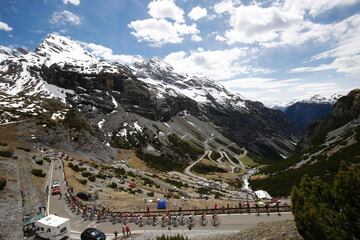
[{"x": 53, "y": 227}]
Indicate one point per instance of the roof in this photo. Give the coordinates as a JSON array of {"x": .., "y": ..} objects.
[
  {"x": 262, "y": 194},
  {"x": 33, "y": 220},
  {"x": 53, "y": 221}
]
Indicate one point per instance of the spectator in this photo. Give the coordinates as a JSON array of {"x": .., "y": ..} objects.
[
  {"x": 123, "y": 231},
  {"x": 127, "y": 229},
  {"x": 278, "y": 208},
  {"x": 257, "y": 209},
  {"x": 115, "y": 234}
]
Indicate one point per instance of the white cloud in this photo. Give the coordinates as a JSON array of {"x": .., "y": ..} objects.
[
  {"x": 166, "y": 9},
  {"x": 314, "y": 8},
  {"x": 74, "y": 2},
  {"x": 196, "y": 38},
  {"x": 4, "y": 26},
  {"x": 253, "y": 23},
  {"x": 285, "y": 22},
  {"x": 259, "y": 83},
  {"x": 347, "y": 47},
  {"x": 224, "y": 6},
  {"x": 346, "y": 53},
  {"x": 105, "y": 53},
  {"x": 160, "y": 31},
  {"x": 197, "y": 13},
  {"x": 347, "y": 65},
  {"x": 218, "y": 65},
  {"x": 65, "y": 17},
  {"x": 220, "y": 38},
  {"x": 279, "y": 92}
]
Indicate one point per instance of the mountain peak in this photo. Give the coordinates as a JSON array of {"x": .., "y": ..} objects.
[
  {"x": 58, "y": 48},
  {"x": 317, "y": 98},
  {"x": 158, "y": 63},
  {"x": 6, "y": 52}
]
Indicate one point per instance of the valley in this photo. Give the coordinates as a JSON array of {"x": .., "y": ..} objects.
[{"x": 117, "y": 140}]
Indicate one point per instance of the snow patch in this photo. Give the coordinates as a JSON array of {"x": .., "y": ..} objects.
[
  {"x": 101, "y": 123},
  {"x": 137, "y": 126}
]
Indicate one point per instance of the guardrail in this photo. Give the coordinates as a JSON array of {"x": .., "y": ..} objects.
[{"x": 224, "y": 210}]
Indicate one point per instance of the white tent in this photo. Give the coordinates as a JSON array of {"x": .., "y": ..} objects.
[
  {"x": 262, "y": 194},
  {"x": 53, "y": 227}
]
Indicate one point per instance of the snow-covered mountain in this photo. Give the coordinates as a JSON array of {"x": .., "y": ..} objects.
[
  {"x": 70, "y": 55},
  {"x": 307, "y": 110},
  {"x": 61, "y": 72},
  {"x": 322, "y": 99},
  {"x": 317, "y": 98}
]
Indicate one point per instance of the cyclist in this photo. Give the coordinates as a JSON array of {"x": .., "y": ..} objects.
[
  {"x": 214, "y": 218},
  {"x": 203, "y": 218},
  {"x": 163, "y": 219},
  {"x": 191, "y": 218}
]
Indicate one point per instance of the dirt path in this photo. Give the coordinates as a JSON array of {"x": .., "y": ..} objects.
[
  {"x": 31, "y": 185},
  {"x": 10, "y": 201}
]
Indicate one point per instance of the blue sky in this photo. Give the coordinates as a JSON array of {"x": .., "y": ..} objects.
[{"x": 271, "y": 51}]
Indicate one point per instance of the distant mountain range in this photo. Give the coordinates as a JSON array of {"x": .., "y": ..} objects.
[
  {"x": 317, "y": 98},
  {"x": 306, "y": 111}
]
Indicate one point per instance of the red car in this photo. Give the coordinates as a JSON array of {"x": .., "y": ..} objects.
[
  {"x": 132, "y": 185},
  {"x": 55, "y": 190}
]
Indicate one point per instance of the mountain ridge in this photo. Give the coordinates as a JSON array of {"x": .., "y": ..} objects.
[
  {"x": 103, "y": 91},
  {"x": 321, "y": 150}
]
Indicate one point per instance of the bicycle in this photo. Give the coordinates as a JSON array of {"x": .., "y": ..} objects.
[
  {"x": 182, "y": 220},
  {"x": 139, "y": 221},
  {"x": 215, "y": 221},
  {"x": 173, "y": 221},
  {"x": 191, "y": 222},
  {"x": 204, "y": 221}
]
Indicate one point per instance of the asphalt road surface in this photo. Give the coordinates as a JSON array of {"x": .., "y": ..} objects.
[{"x": 228, "y": 222}]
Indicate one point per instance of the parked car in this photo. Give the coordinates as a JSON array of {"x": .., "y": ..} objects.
[
  {"x": 84, "y": 196},
  {"x": 261, "y": 203},
  {"x": 55, "y": 190},
  {"x": 55, "y": 183},
  {"x": 132, "y": 185},
  {"x": 92, "y": 234}
]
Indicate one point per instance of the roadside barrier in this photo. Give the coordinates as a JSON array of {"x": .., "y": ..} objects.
[{"x": 77, "y": 206}]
